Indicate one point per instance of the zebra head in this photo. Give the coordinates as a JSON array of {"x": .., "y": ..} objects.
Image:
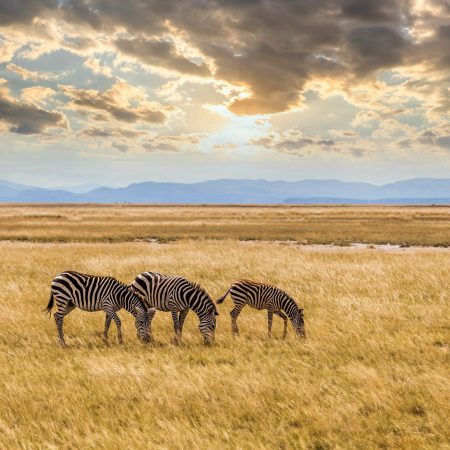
[
  {"x": 143, "y": 318},
  {"x": 207, "y": 325},
  {"x": 299, "y": 323}
]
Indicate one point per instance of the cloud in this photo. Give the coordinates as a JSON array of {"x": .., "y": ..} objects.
[
  {"x": 367, "y": 118},
  {"x": 121, "y": 147},
  {"x": 290, "y": 141},
  {"x": 160, "y": 53},
  {"x": 433, "y": 139},
  {"x": 173, "y": 143},
  {"x": 439, "y": 136},
  {"x": 267, "y": 52},
  {"x": 97, "y": 68},
  {"x": 27, "y": 118},
  {"x": 269, "y": 49},
  {"x": 28, "y": 74},
  {"x": 390, "y": 128},
  {"x": 343, "y": 133},
  {"x": 372, "y": 10},
  {"x": 118, "y": 102},
  {"x": 225, "y": 146},
  {"x": 107, "y": 132},
  {"x": 36, "y": 94},
  {"x": 443, "y": 141},
  {"x": 15, "y": 12},
  {"x": 293, "y": 142},
  {"x": 7, "y": 48},
  {"x": 374, "y": 48}
]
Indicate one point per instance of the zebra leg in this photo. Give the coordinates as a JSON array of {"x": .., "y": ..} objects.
[
  {"x": 176, "y": 326},
  {"x": 269, "y": 322},
  {"x": 59, "y": 319},
  {"x": 284, "y": 317},
  {"x": 234, "y": 315},
  {"x": 181, "y": 319},
  {"x": 107, "y": 324},
  {"x": 150, "y": 319},
  {"x": 116, "y": 319}
]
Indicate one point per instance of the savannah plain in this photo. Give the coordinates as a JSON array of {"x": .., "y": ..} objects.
[{"x": 372, "y": 373}]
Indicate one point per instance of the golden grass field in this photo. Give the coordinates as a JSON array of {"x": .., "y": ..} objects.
[
  {"x": 373, "y": 372},
  {"x": 408, "y": 225}
]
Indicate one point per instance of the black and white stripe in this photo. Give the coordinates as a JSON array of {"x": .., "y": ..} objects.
[
  {"x": 264, "y": 296},
  {"x": 178, "y": 295},
  {"x": 93, "y": 293}
]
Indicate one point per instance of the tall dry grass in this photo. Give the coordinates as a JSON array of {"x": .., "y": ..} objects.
[{"x": 373, "y": 372}]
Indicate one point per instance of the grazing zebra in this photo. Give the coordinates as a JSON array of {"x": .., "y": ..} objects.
[
  {"x": 264, "y": 296},
  {"x": 92, "y": 293},
  {"x": 178, "y": 295}
]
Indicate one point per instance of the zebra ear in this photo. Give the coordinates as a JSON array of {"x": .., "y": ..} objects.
[{"x": 216, "y": 313}]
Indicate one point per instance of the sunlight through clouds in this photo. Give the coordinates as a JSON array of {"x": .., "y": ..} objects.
[{"x": 348, "y": 78}]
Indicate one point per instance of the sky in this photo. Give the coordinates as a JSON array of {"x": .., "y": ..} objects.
[{"x": 111, "y": 92}]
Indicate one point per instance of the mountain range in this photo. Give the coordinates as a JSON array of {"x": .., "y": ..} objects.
[{"x": 412, "y": 191}]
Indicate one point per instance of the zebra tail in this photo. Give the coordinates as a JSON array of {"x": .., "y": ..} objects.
[
  {"x": 48, "y": 310},
  {"x": 221, "y": 299}
]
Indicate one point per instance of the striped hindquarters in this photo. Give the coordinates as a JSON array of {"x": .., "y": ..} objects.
[
  {"x": 251, "y": 293},
  {"x": 87, "y": 292}
]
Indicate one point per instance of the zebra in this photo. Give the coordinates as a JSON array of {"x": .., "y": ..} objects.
[
  {"x": 264, "y": 296},
  {"x": 94, "y": 293},
  {"x": 176, "y": 294}
]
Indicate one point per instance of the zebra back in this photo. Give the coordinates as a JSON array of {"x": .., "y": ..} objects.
[
  {"x": 88, "y": 291},
  {"x": 263, "y": 293},
  {"x": 158, "y": 290}
]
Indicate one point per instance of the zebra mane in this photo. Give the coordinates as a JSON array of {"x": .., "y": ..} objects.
[
  {"x": 202, "y": 290},
  {"x": 136, "y": 294}
]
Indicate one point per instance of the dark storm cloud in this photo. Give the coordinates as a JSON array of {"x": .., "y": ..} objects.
[
  {"x": 444, "y": 32},
  {"x": 27, "y": 118},
  {"x": 80, "y": 11},
  {"x": 160, "y": 53},
  {"x": 272, "y": 48},
  {"x": 373, "y": 10},
  {"x": 372, "y": 48},
  {"x": 24, "y": 11}
]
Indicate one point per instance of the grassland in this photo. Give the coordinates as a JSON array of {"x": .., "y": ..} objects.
[
  {"x": 304, "y": 224},
  {"x": 373, "y": 372}
]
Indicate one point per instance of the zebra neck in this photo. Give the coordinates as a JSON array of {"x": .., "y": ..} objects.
[
  {"x": 199, "y": 307},
  {"x": 291, "y": 309},
  {"x": 196, "y": 308},
  {"x": 292, "y": 314},
  {"x": 131, "y": 303}
]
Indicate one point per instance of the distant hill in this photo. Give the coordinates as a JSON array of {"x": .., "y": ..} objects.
[
  {"x": 418, "y": 190},
  {"x": 379, "y": 201}
]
